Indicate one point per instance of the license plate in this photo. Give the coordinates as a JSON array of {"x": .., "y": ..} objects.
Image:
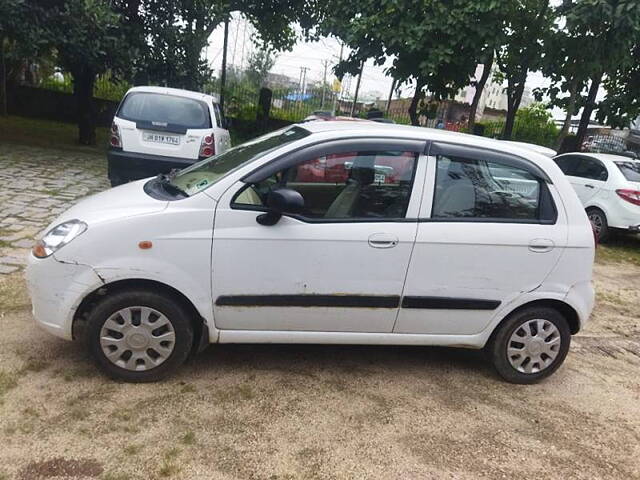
[
  {"x": 160, "y": 138},
  {"x": 380, "y": 178}
]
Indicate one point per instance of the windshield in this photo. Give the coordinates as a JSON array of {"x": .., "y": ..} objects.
[
  {"x": 170, "y": 109},
  {"x": 631, "y": 170},
  {"x": 203, "y": 174}
]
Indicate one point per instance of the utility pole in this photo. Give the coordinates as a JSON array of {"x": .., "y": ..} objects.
[
  {"x": 244, "y": 42},
  {"x": 324, "y": 82},
  {"x": 303, "y": 80},
  {"x": 393, "y": 85},
  {"x": 355, "y": 97},
  {"x": 223, "y": 74}
]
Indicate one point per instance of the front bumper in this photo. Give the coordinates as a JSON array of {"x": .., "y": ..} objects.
[
  {"x": 56, "y": 290},
  {"x": 128, "y": 166}
]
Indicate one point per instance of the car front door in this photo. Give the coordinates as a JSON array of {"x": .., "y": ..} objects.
[
  {"x": 587, "y": 175},
  {"x": 489, "y": 231},
  {"x": 338, "y": 266}
]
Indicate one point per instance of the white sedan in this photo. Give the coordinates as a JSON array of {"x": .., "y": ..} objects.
[{"x": 609, "y": 188}]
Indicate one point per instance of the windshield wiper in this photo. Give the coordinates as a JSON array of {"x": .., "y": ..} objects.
[{"x": 165, "y": 180}]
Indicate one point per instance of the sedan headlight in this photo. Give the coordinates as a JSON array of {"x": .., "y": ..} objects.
[{"x": 58, "y": 237}]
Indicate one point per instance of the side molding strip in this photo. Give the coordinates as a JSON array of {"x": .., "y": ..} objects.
[
  {"x": 449, "y": 303},
  {"x": 356, "y": 301},
  {"x": 344, "y": 301}
]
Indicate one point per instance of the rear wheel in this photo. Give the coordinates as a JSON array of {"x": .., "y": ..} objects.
[
  {"x": 139, "y": 335},
  {"x": 530, "y": 345},
  {"x": 599, "y": 221}
]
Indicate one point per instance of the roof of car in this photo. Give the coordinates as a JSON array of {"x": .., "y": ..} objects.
[
  {"x": 607, "y": 157},
  {"x": 173, "y": 91},
  {"x": 378, "y": 129}
]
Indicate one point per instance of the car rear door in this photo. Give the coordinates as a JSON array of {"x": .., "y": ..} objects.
[
  {"x": 340, "y": 265},
  {"x": 489, "y": 231}
]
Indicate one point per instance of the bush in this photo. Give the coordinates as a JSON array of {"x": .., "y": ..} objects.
[{"x": 533, "y": 124}]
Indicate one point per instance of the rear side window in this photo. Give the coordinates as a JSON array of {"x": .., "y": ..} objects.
[
  {"x": 216, "y": 111},
  {"x": 630, "y": 170},
  {"x": 469, "y": 189},
  {"x": 160, "y": 108}
]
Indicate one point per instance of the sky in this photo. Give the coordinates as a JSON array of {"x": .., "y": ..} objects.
[{"x": 374, "y": 83}]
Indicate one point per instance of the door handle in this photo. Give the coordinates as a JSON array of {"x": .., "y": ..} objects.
[
  {"x": 383, "y": 240},
  {"x": 541, "y": 245},
  {"x": 588, "y": 185}
]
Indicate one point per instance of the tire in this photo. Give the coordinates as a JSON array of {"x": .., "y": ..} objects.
[
  {"x": 599, "y": 221},
  {"x": 541, "y": 364},
  {"x": 159, "y": 343}
]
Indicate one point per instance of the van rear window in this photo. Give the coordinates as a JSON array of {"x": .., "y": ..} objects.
[{"x": 170, "y": 109}]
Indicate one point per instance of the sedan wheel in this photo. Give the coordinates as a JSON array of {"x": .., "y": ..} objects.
[{"x": 600, "y": 225}]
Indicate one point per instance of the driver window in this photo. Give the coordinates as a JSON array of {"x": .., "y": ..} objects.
[
  {"x": 481, "y": 189},
  {"x": 344, "y": 185}
]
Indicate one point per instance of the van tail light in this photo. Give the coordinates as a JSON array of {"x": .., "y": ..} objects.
[
  {"x": 631, "y": 196},
  {"x": 207, "y": 147},
  {"x": 115, "y": 140}
]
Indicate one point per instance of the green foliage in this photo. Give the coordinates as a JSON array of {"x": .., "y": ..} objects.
[
  {"x": 533, "y": 124},
  {"x": 107, "y": 86},
  {"x": 260, "y": 62}
]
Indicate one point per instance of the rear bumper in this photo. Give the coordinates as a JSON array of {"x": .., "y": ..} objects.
[{"x": 127, "y": 166}]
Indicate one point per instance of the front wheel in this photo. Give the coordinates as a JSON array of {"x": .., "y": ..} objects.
[
  {"x": 139, "y": 335},
  {"x": 530, "y": 345}
]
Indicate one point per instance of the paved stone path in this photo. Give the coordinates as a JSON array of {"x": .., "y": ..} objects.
[{"x": 36, "y": 185}]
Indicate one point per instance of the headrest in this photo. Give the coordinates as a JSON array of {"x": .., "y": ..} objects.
[{"x": 363, "y": 170}]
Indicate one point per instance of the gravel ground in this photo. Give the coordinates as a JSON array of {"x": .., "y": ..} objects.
[{"x": 284, "y": 412}]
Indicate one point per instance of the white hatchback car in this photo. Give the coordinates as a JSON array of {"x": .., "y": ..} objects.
[
  {"x": 157, "y": 129},
  {"x": 609, "y": 188},
  {"x": 327, "y": 232}
]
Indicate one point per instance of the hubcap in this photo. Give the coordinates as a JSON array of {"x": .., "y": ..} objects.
[
  {"x": 533, "y": 346},
  {"x": 137, "y": 338},
  {"x": 596, "y": 221}
]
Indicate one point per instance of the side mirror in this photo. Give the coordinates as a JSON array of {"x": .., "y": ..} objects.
[{"x": 280, "y": 201}]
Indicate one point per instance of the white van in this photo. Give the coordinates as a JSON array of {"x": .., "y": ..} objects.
[
  {"x": 157, "y": 129},
  {"x": 326, "y": 232}
]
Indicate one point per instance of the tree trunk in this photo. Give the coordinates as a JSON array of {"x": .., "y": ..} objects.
[
  {"x": 486, "y": 71},
  {"x": 413, "y": 107},
  {"x": 83, "y": 82},
  {"x": 570, "y": 109},
  {"x": 3, "y": 80},
  {"x": 588, "y": 109},
  {"x": 514, "y": 96}
]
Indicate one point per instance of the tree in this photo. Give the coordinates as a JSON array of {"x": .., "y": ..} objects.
[
  {"x": 613, "y": 29},
  {"x": 260, "y": 62},
  {"x": 435, "y": 44},
  {"x": 88, "y": 39},
  {"x": 17, "y": 43},
  {"x": 177, "y": 32},
  {"x": 527, "y": 24}
]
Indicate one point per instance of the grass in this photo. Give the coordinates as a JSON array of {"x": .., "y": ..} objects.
[
  {"x": 623, "y": 249},
  {"x": 47, "y": 133},
  {"x": 189, "y": 438},
  {"x": 8, "y": 381}
]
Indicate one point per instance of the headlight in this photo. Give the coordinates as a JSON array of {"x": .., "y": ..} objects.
[{"x": 58, "y": 237}]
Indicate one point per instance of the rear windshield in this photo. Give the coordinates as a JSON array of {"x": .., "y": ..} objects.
[
  {"x": 631, "y": 170},
  {"x": 158, "y": 107}
]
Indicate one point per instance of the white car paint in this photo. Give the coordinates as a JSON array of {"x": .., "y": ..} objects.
[
  {"x": 546, "y": 151},
  {"x": 205, "y": 249},
  {"x": 601, "y": 192}
]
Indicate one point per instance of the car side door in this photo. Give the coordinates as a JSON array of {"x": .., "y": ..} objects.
[
  {"x": 489, "y": 231},
  {"x": 339, "y": 265},
  {"x": 586, "y": 174}
]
